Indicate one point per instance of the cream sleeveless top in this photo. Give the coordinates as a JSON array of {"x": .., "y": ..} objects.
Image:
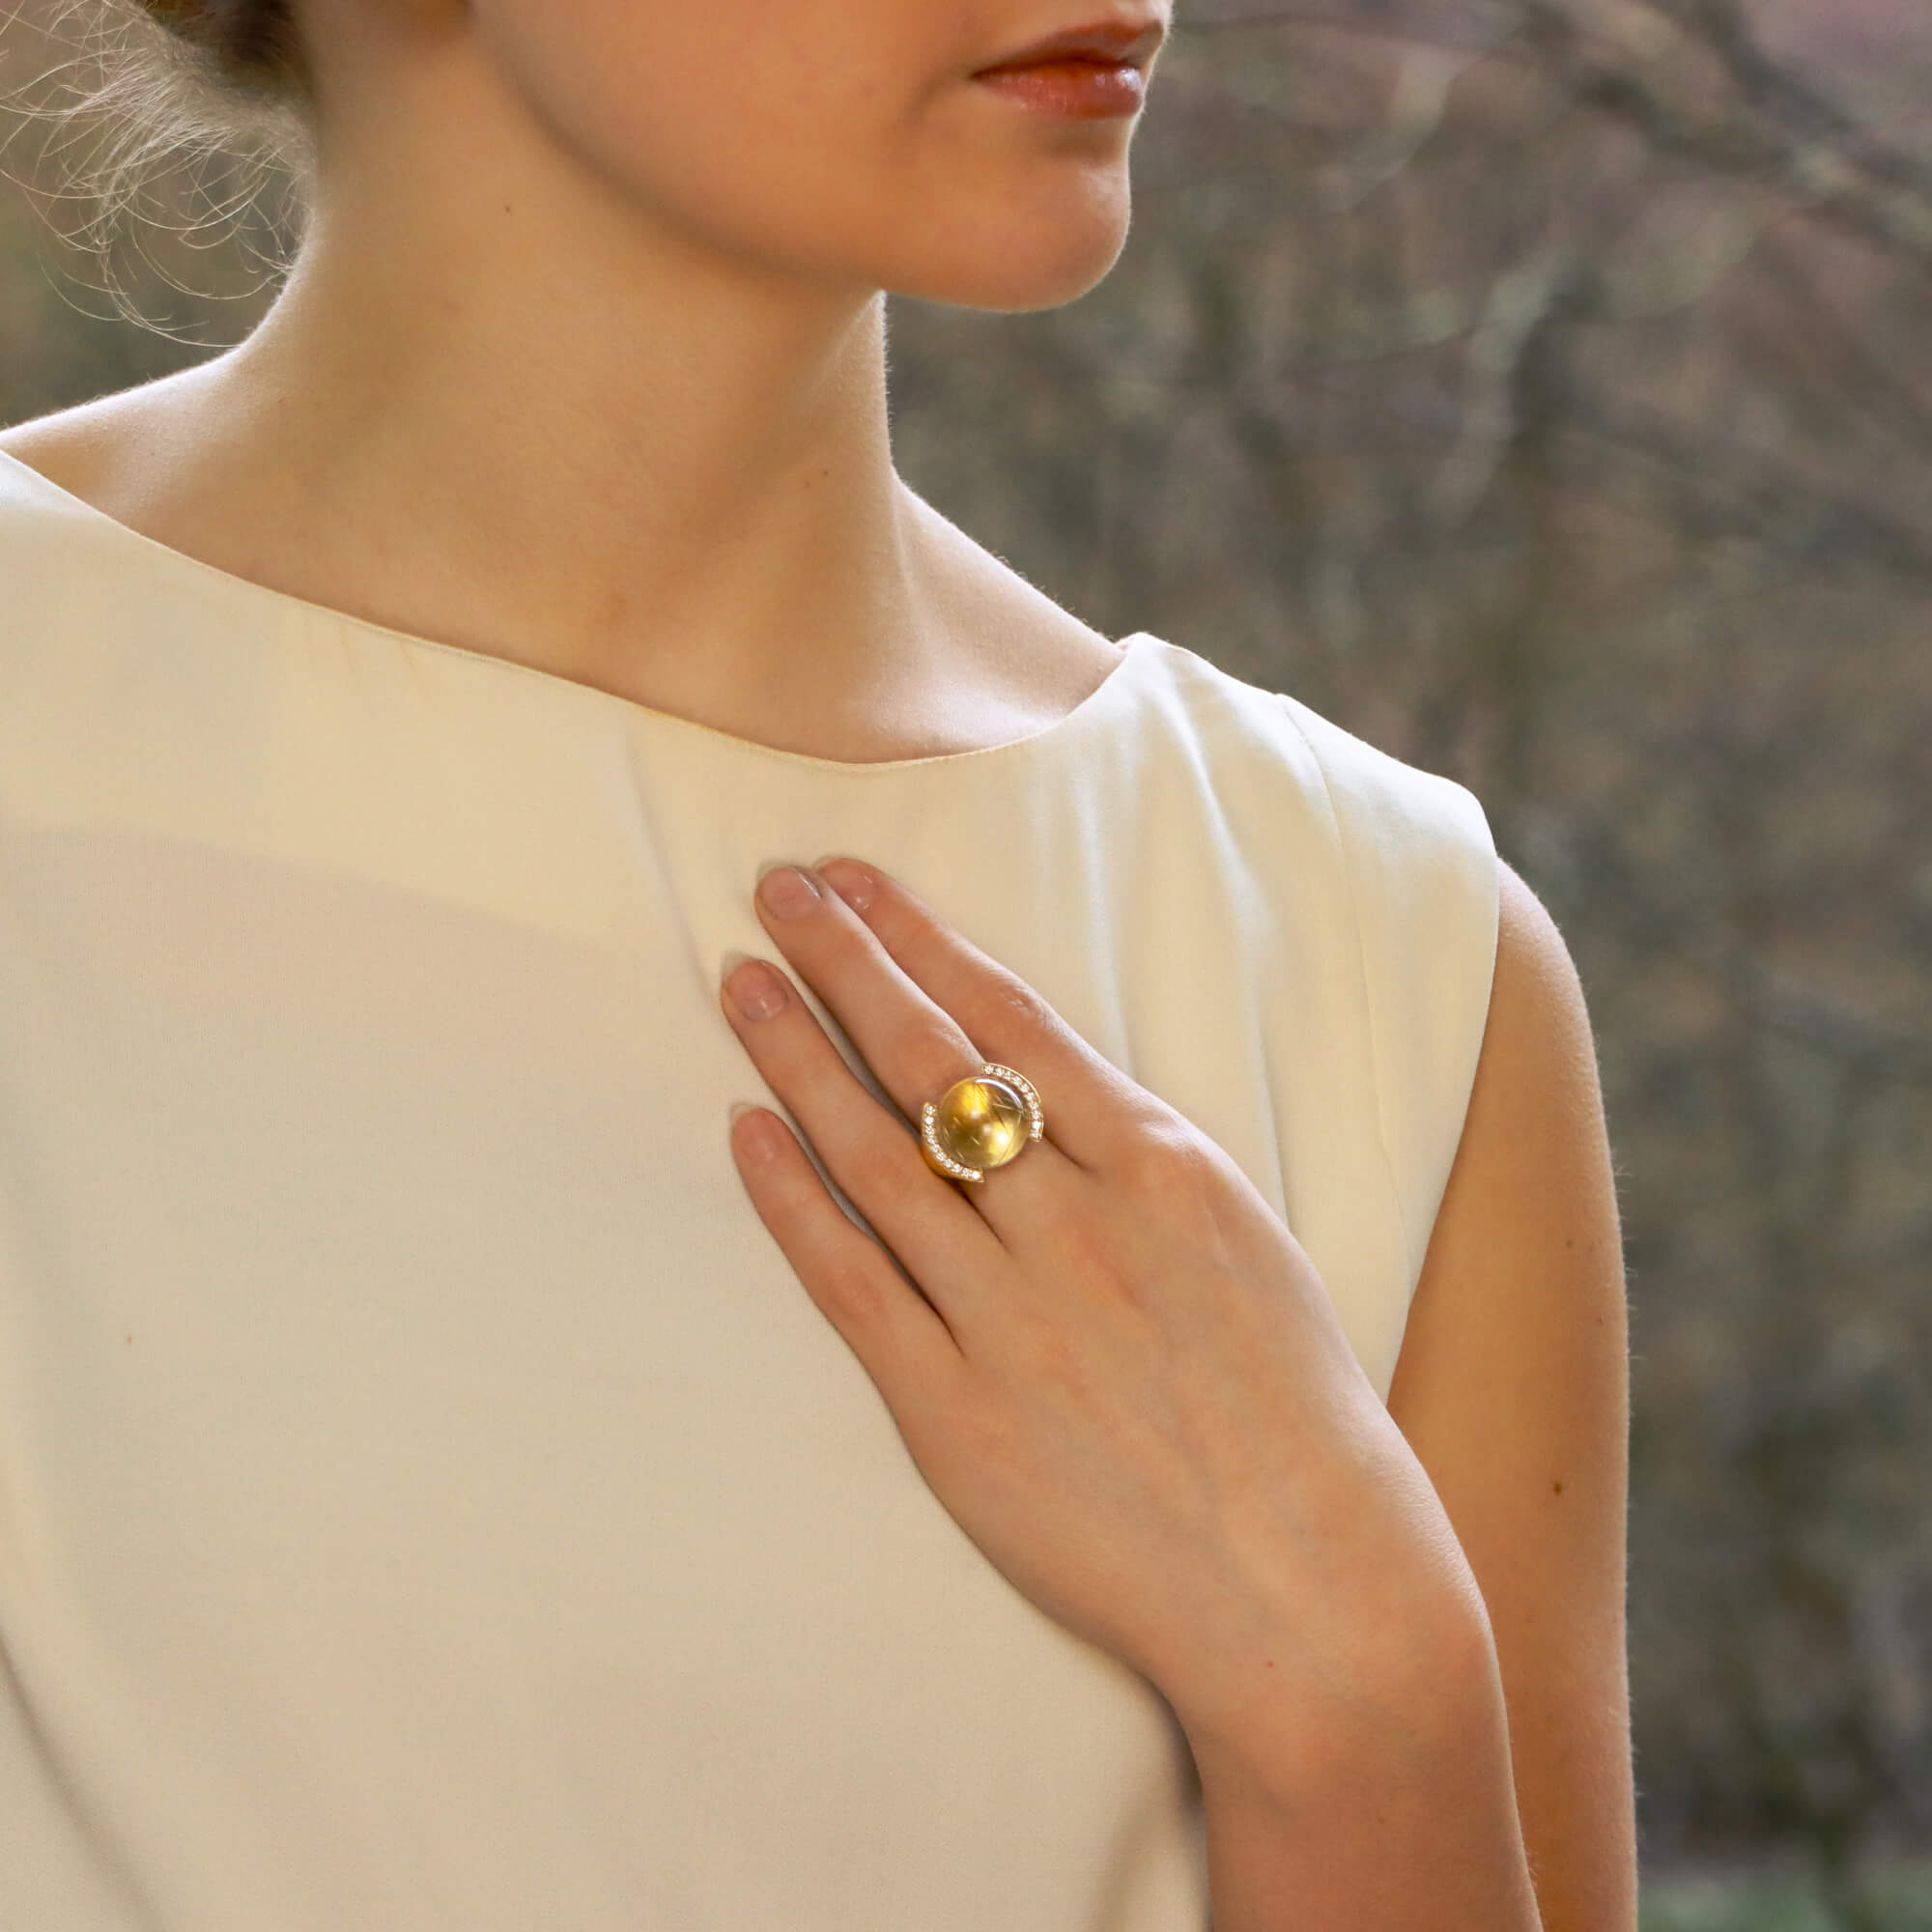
[{"x": 428, "y": 1498}]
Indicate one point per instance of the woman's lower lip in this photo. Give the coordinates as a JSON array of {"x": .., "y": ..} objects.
[{"x": 1088, "y": 89}]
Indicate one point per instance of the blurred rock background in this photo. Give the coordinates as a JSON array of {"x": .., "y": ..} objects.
[{"x": 1541, "y": 389}]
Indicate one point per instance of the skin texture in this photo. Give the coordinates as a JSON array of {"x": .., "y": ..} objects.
[
  {"x": 1513, "y": 1387},
  {"x": 1121, "y": 1372},
  {"x": 1122, "y": 1377},
  {"x": 582, "y": 362}
]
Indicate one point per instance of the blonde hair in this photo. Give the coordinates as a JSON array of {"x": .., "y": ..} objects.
[{"x": 174, "y": 85}]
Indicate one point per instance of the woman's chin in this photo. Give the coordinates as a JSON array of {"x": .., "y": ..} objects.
[{"x": 1018, "y": 275}]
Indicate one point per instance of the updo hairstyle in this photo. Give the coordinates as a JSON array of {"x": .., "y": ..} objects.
[{"x": 178, "y": 85}]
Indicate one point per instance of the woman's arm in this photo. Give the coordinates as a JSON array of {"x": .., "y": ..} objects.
[
  {"x": 1122, "y": 1375},
  {"x": 1497, "y": 1757},
  {"x": 1512, "y": 1390}
]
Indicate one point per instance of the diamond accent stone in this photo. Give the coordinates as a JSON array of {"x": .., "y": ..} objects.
[{"x": 982, "y": 1122}]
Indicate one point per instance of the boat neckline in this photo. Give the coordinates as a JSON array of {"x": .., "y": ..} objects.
[{"x": 1107, "y": 691}]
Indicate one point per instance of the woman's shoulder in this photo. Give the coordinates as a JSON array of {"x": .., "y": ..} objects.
[
  {"x": 65, "y": 474},
  {"x": 81, "y": 449},
  {"x": 57, "y": 475},
  {"x": 1388, "y": 812},
  {"x": 44, "y": 513}
]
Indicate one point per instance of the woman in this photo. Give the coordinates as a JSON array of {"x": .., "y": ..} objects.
[{"x": 454, "y": 1479}]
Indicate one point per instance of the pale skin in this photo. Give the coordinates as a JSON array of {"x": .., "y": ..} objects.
[
  {"x": 1393, "y": 1635},
  {"x": 545, "y": 387},
  {"x": 582, "y": 362}
]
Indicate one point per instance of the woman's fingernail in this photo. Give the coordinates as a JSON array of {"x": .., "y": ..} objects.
[
  {"x": 788, "y": 891},
  {"x": 755, "y": 989},
  {"x": 850, "y": 881},
  {"x": 760, "y": 1141}
]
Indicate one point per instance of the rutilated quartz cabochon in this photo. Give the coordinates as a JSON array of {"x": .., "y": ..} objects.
[{"x": 980, "y": 1122}]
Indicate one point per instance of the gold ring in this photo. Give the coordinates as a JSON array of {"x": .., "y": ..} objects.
[{"x": 982, "y": 1122}]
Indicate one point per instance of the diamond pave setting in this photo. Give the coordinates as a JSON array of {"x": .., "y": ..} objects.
[{"x": 982, "y": 1122}]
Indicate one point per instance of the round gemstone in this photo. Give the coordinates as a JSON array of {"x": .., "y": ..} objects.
[{"x": 980, "y": 1122}]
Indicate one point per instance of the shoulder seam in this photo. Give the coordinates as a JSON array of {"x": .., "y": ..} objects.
[{"x": 1396, "y": 1193}]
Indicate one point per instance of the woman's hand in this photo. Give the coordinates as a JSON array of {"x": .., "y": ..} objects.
[{"x": 1112, "y": 1362}]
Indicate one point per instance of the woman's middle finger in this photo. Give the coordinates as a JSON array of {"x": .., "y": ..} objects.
[
  {"x": 914, "y": 1048},
  {"x": 866, "y": 1149}
]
